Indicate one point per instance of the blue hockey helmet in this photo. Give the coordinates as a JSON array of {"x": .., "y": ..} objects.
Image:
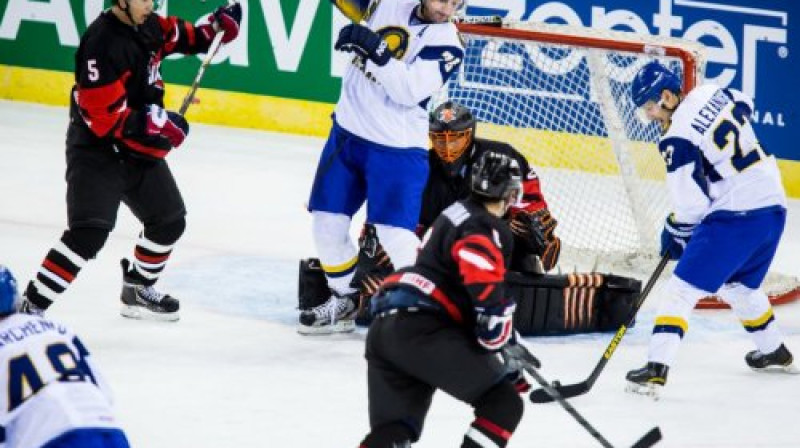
[
  {"x": 8, "y": 291},
  {"x": 650, "y": 81}
]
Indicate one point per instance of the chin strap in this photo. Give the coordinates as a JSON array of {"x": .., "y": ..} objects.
[{"x": 127, "y": 11}]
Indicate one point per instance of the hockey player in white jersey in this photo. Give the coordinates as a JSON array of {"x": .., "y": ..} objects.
[
  {"x": 51, "y": 394},
  {"x": 403, "y": 52},
  {"x": 729, "y": 211}
]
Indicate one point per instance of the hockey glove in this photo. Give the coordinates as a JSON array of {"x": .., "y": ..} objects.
[
  {"x": 534, "y": 231},
  {"x": 675, "y": 237},
  {"x": 515, "y": 367},
  {"x": 168, "y": 124},
  {"x": 227, "y": 19},
  {"x": 495, "y": 325},
  {"x": 364, "y": 42}
]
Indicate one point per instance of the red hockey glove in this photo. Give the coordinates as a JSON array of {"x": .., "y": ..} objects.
[
  {"x": 225, "y": 19},
  {"x": 170, "y": 125}
]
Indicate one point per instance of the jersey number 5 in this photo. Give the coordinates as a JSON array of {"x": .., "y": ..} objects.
[
  {"x": 741, "y": 158},
  {"x": 24, "y": 379}
]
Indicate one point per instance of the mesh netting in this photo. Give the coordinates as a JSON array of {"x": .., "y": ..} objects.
[{"x": 567, "y": 108}]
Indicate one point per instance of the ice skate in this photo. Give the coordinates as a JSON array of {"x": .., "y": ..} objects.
[
  {"x": 140, "y": 301},
  {"x": 779, "y": 360},
  {"x": 647, "y": 381},
  {"x": 337, "y": 315}
]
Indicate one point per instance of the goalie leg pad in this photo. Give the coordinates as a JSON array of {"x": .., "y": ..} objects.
[
  {"x": 312, "y": 285},
  {"x": 570, "y": 304}
]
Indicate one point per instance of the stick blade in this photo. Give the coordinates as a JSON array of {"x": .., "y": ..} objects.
[
  {"x": 651, "y": 438},
  {"x": 566, "y": 391}
]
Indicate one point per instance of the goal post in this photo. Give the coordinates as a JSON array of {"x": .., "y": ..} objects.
[{"x": 561, "y": 96}]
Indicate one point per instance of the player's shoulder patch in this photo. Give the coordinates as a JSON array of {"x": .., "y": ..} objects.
[{"x": 456, "y": 213}]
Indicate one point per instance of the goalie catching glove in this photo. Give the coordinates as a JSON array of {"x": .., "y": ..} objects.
[
  {"x": 534, "y": 230},
  {"x": 373, "y": 266}
]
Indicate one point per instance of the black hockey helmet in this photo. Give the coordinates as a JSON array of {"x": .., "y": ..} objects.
[
  {"x": 495, "y": 177},
  {"x": 451, "y": 130}
]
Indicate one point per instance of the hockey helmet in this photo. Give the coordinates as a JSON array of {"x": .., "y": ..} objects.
[
  {"x": 8, "y": 291},
  {"x": 495, "y": 177},
  {"x": 451, "y": 130},
  {"x": 650, "y": 81}
]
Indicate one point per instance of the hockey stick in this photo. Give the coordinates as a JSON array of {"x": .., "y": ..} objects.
[
  {"x": 521, "y": 354},
  {"x": 572, "y": 390},
  {"x": 212, "y": 51}
]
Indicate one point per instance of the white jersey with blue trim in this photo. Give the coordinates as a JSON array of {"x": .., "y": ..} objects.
[
  {"x": 48, "y": 384},
  {"x": 714, "y": 160},
  {"x": 388, "y": 104}
]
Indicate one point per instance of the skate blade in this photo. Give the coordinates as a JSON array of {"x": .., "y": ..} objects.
[
  {"x": 136, "y": 312},
  {"x": 341, "y": 326},
  {"x": 653, "y": 391},
  {"x": 791, "y": 369}
]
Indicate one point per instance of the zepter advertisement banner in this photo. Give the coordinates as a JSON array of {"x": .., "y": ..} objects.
[{"x": 284, "y": 74}]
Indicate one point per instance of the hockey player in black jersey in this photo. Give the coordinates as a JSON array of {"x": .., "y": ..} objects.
[
  {"x": 439, "y": 323},
  {"x": 454, "y": 153},
  {"x": 118, "y": 137}
]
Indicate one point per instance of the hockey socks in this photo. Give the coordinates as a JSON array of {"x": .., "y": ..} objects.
[
  {"x": 62, "y": 264},
  {"x": 497, "y": 414},
  {"x": 149, "y": 259}
]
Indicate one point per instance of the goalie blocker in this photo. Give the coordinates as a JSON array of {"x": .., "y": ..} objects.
[{"x": 547, "y": 305}]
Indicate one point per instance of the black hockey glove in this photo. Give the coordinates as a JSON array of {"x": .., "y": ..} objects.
[
  {"x": 534, "y": 232},
  {"x": 364, "y": 42},
  {"x": 514, "y": 364}
]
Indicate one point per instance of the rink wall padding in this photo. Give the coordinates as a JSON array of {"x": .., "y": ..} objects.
[
  {"x": 211, "y": 106},
  {"x": 313, "y": 118}
]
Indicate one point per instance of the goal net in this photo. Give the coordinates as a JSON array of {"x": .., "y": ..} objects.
[{"x": 561, "y": 96}]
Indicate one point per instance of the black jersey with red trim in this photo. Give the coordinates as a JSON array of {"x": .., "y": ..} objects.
[
  {"x": 117, "y": 76},
  {"x": 442, "y": 190},
  {"x": 462, "y": 262}
]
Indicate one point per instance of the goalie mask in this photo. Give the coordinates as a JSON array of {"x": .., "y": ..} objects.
[
  {"x": 452, "y": 130},
  {"x": 496, "y": 177}
]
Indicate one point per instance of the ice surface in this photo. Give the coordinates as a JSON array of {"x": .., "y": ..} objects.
[{"x": 234, "y": 373}]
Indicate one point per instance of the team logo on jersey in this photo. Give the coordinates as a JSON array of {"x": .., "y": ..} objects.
[
  {"x": 153, "y": 72},
  {"x": 396, "y": 39}
]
